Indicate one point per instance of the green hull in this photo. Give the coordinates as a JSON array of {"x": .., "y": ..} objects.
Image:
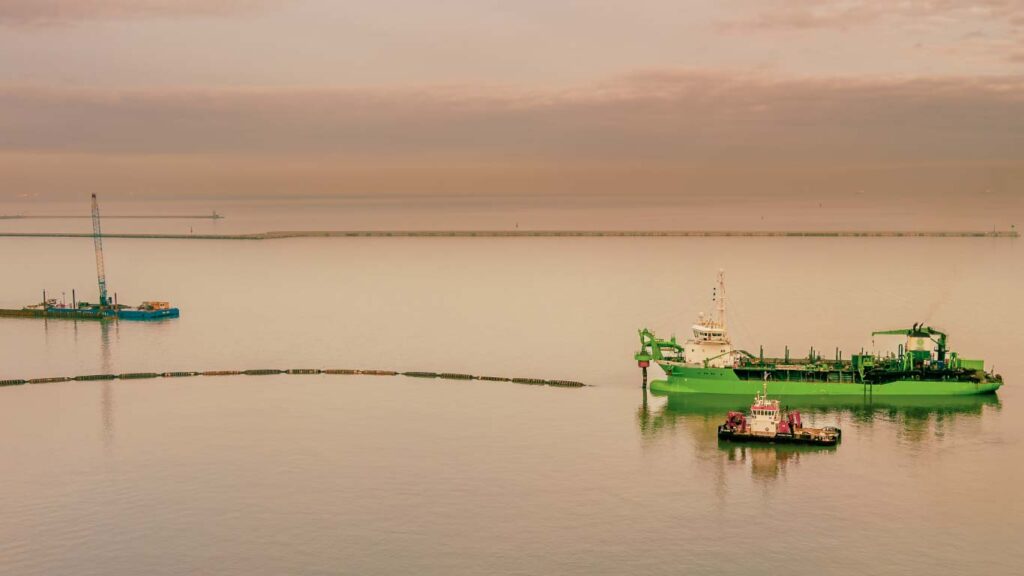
[
  {"x": 724, "y": 381},
  {"x": 717, "y": 404}
]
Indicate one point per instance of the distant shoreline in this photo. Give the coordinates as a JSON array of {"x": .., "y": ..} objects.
[
  {"x": 211, "y": 216},
  {"x": 534, "y": 234}
]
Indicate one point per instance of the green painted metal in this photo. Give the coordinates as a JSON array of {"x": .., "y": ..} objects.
[
  {"x": 724, "y": 381},
  {"x": 715, "y": 405},
  {"x": 914, "y": 372}
]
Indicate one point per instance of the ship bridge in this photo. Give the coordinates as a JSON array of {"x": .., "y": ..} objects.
[
  {"x": 710, "y": 346},
  {"x": 709, "y": 331}
]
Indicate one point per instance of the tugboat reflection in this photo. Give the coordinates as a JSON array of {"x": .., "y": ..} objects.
[
  {"x": 917, "y": 420},
  {"x": 769, "y": 461}
]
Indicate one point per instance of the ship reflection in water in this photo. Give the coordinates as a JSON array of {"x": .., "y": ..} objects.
[
  {"x": 769, "y": 461},
  {"x": 916, "y": 421}
]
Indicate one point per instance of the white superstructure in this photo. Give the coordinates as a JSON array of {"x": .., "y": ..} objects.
[
  {"x": 710, "y": 345},
  {"x": 765, "y": 415}
]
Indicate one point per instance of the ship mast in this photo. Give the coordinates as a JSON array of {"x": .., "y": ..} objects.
[
  {"x": 720, "y": 298},
  {"x": 97, "y": 239}
]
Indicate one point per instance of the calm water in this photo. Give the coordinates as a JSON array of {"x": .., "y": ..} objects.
[{"x": 371, "y": 475}]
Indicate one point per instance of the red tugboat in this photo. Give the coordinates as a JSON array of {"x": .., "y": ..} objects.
[{"x": 767, "y": 423}]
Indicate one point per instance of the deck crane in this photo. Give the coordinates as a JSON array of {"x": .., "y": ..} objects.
[
  {"x": 916, "y": 347},
  {"x": 920, "y": 331},
  {"x": 97, "y": 239}
]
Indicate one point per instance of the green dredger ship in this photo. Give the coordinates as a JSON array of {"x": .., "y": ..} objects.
[{"x": 708, "y": 364}]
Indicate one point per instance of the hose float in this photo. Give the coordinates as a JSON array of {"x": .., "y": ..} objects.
[{"x": 296, "y": 371}]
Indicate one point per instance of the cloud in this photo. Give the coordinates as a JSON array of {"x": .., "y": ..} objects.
[
  {"x": 48, "y": 12},
  {"x": 805, "y": 14},
  {"x": 657, "y": 131},
  {"x": 652, "y": 116},
  {"x": 999, "y": 24}
]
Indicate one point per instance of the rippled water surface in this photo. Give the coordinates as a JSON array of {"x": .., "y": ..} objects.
[{"x": 391, "y": 475}]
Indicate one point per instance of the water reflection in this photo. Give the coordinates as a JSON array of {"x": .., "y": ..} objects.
[
  {"x": 768, "y": 461},
  {"x": 909, "y": 411},
  {"x": 106, "y": 392},
  {"x": 917, "y": 419}
]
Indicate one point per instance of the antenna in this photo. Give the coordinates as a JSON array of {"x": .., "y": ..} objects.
[
  {"x": 97, "y": 240},
  {"x": 721, "y": 298}
]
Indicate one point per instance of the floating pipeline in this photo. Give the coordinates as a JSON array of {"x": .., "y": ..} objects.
[
  {"x": 138, "y": 375},
  {"x": 296, "y": 371},
  {"x": 353, "y": 372},
  {"x": 529, "y": 381},
  {"x": 565, "y": 383}
]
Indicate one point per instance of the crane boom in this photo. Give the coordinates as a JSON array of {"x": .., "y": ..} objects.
[
  {"x": 97, "y": 239},
  {"x": 919, "y": 330}
]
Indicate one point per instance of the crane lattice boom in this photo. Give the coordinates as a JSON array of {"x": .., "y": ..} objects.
[{"x": 97, "y": 238}]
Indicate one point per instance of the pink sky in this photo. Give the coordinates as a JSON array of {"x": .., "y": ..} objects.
[{"x": 316, "y": 97}]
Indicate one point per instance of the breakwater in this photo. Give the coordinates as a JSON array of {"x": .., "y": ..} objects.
[
  {"x": 211, "y": 216},
  {"x": 294, "y": 371},
  {"x": 542, "y": 234}
]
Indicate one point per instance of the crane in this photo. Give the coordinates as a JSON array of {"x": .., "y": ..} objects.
[
  {"x": 97, "y": 239},
  {"x": 920, "y": 331}
]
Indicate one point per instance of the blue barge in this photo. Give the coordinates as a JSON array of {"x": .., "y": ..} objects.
[
  {"x": 86, "y": 311},
  {"x": 106, "y": 309}
]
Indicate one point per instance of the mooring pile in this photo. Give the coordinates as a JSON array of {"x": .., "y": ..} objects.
[{"x": 302, "y": 371}]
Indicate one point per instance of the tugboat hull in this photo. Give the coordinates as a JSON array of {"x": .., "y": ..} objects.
[{"x": 805, "y": 438}]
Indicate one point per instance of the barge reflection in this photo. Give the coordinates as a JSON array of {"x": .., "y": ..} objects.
[
  {"x": 916, "y": 420},
  {"x": 707, "y": 411}
]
